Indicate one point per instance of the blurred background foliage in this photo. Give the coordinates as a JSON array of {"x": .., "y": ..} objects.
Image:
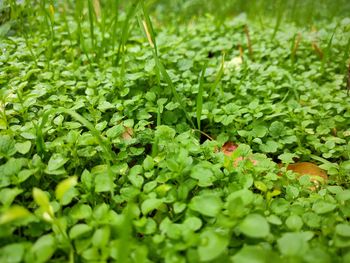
[{"x": 299, "y": 11}]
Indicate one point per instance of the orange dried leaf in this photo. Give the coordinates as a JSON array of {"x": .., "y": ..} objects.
[
  {"x": 306, "y": 168},
  {"x": 128, "y": 133},
  {"x": 228, "y": 148}
]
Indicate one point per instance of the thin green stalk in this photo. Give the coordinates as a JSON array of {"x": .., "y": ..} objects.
[
  {"x": 148, "y": 30},
  {"x": 199, "y": 104},
  {"x": 280, "y": 13},
  {"x": 125, "y": 30},
  {"x": 78, "y": 12},
  {"x": 346, "y": 55},
  {"x": 115, "y": 6},
  {"x": 328, "y": 50},
  {"x": 91, "y": 22},
  {"x": 218, "y": 76},
  {"x": 295, "y": 44},
  {"x": 48, "y": 18},
  {"x": 28, "y": 44}
]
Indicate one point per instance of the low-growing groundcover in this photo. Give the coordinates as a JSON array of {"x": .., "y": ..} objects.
[{"x": 109, "y": 142}]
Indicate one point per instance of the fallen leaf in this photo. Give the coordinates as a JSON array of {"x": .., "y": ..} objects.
[
  {"x": 307, "y": 168},
  {"x": 128, "y": 133},
  {"x": 228, "y": 148},
  {"x": 317, "y": 175}
]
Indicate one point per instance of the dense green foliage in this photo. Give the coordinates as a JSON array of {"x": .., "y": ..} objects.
[{"x": 105, "y": 122}]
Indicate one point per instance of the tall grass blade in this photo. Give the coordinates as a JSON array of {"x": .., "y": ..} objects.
[
  {"x": 91, "y": 21},
  {"x": 148, "y": 30},
  {"x": 280, "y": 13},
  {"x": 328, "y": 50},
  {"x": 346, "y": 55},
  {"x": 199, "y": 104},
  {"x": 125, "y": 30},
  {"x": 218, "y": 75}
]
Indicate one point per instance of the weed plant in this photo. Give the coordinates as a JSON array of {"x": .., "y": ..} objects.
[{"x": 113, "y": 114}]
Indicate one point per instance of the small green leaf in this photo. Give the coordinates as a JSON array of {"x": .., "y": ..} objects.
[
  {"x": 292, "y": 244},
  {"x": 103, "y": 182},
  {"x": 7, "y": 146},
  {"x": 276, "y": 129},
  {"x": 343, "y": 230},
  {"x": 294, "y": 222},
  {"x": 41, "y": 198},
  {"x": 164, "y": 132},
  {"x": 255, "y": 226},
  {"x": 179, "y": 207},
  {"x": 7, "y": 195},
  {"x": 148, "y": 163},
  {"x": 212, "y": 245},
  {"x": 44, "y": 248},
  {"x": 323, "y": 207},
  {"x": 206, "y": 204},
  {"x": 149, "y": 205},
  {"x": 64, "y": 186},
  {"x": 274, "y": 220},
  {"x": 13, "y": 213},
  {"x": 101, "y": 237},
  {"x": 204, "y": 175},
  {"x": 251, "y": 254},
  {"x": 56, "y": 161},
  {"x": 193, "y": 223},
  {"x": 259, "y": 131},
  {"x": 287, "y": 157},
  {"x": 260, "y": 186},
  {"x": 43, "y": 201},
  {"x": 12, "y": 253},
  {"x": 269, "y": 147},
  {"x": 115, "y": 131},
  {"x": 80, "y": 211},
  {"x": 23, "y": 147},
  {"x": 79, "y": 230}
]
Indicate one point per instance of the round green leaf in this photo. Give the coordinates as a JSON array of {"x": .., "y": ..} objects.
[
  {"x": 250, "y": 254},
  {"x": 294, "y": 222},
  {"x": 292, "y": 244},
  {"x": 343, "y": 230},
  {"x": 212, "y": 245},
  {"x": 150, "y": 204},
  {"x": 206, "y": 204},
  {"x": 12, "y": 253},
  {"x": 44, "y": 248},
  {"x": 193, "y": 223},
  {"x": 323, "y": 207},
  {"x": 255, "y": 226}
]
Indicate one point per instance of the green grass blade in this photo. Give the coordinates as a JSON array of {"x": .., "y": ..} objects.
[
  {"x": 199, "y": 103},
  {"x": 328, "y": 50},
  {"x": 125, "y": 30},
  {"x": 149, "y": 32},
  {"x": 218, "y": 76},
  {"x": 91, "y": 21},
  {"x": 173, "y": 89},
  {"x": 108, "y": 154}
]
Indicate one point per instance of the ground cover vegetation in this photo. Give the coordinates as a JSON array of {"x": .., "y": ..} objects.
[{"x": 145, "y": 131}]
